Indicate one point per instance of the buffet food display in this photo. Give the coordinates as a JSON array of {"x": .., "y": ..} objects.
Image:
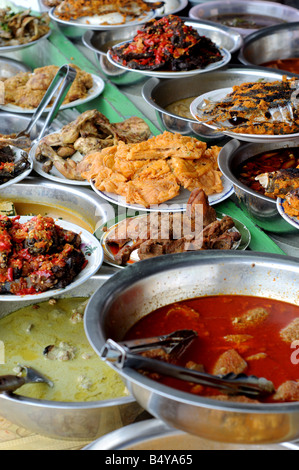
[{"x": 170, "y": 200}]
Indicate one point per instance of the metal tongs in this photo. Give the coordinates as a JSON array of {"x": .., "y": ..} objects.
[
  {"x": 128, "y": 354},
  {"x": 60, "y": 85}
]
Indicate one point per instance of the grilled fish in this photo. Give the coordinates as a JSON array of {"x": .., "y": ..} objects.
[{"x": 279, "y": 183}]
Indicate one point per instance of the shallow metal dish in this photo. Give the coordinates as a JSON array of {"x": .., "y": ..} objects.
[
  {"x": 100, "y": 41},
  {"x": 271, "y": 9},
  {"x": 261, "y": 209},
  {"x": 161, "y": 93},
  {"x": 72, "y": 30},
  {"x": 83, "y": 202},
  {"x": 10, "y": 67},
  {"x": 18, "y": 47},
  {"x": 153, "y": 434},
  {"x": 138, "y": 290},
  {"x": 64, "y": 420},
  {"x": 276, "y": 42}
]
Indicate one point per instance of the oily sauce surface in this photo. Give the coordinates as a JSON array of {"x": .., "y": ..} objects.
[
  {"x": 290, "y": 65},
  {"x": 212, "y": 318},
  {"x": 266, "y": 162}
]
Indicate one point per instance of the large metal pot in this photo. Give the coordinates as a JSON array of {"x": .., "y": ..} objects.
[
  {"x": 273, "y": 43},
  {"x": 145, "y": 286},
  {"x": 66, "y": 420},
  {"x": 260, "y": 208},
  {"x": 160, "y": 93}
]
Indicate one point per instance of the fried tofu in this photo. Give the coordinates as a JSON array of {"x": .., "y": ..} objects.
[
  {"x": 291, "y": 332},
  {"x": 253, "y": 317},
  {"x": 229, "y": 361}
]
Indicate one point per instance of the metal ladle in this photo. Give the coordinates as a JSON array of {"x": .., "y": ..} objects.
[{"x": 10, "y": 383}]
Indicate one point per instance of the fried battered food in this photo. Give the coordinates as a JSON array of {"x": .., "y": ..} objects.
[
  {"x": 89, "y": 133},
  {"x": 155, "y": 170},
  {"x": 28, "y": 89},
  {"x": 256, "y": 108}
]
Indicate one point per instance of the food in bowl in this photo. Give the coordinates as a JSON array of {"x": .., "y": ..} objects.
[
  {"x": 181, "y": 107},
  {"x": 167, "y": 44},
  {"x": 37, "y": 256},
  {"x": 289, "y": 65},
  {"x": 49, "y": 336},
  {"x": 235, "y": 334},
  {"x": 291, "y": 203},
  {"x": 245, "y": 20},
  {"x": 263, "y": 108},
  {"x": 266, "y": 162}
]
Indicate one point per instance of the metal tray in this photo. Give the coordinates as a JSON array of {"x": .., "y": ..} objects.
[{"x": 10, "y": 67}]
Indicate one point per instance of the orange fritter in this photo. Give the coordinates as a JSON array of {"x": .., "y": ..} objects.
[{"x": 153, "y": 171}]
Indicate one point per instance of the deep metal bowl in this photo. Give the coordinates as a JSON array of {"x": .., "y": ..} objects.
[
  {"x": 100, "y": 41},
  {"x": 270, "y": 9},
  {"x": 136, "y": 291},
  {"x": 160, "y": 93},
  {"x": 81, "y": 202},
  {"x": 279, "y": 42},
  {"x": 261, "y": 209},
  {"x": 65, "y": 420},
  {"x": 153, "y": 434}
]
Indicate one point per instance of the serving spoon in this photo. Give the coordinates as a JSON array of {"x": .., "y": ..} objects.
[
  {"x": 127, "y": 354},
  {"x": 10, "y": 383}
]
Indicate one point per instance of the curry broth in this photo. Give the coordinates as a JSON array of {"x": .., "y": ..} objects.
[
  {"x": 29, "y": 208},
  {"x": 266, "y": 354},
  {"x": 28, "y": 332}
]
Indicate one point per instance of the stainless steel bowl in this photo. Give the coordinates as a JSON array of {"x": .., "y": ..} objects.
[
  {"x": 279, "y": 42},
  {"x": 160, "y": 93},
  {"x": 153, "y": 434},
  {"x": 281, "y": 12},
  {"x": 64, "y": 420},
  {"x": 100, "y": 42},
  {"x": 75, "y": 31},
  {"x": 81, "y": 202},
  {"x": 261, "y": 209},
  {"x": 138, "y": 290}
]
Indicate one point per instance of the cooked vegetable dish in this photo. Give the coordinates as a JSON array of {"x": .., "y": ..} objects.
[
  {"x": 236, "y": 334},
  {"x": 167, "y": 44},
  {"x": 37, "y": 256}
]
